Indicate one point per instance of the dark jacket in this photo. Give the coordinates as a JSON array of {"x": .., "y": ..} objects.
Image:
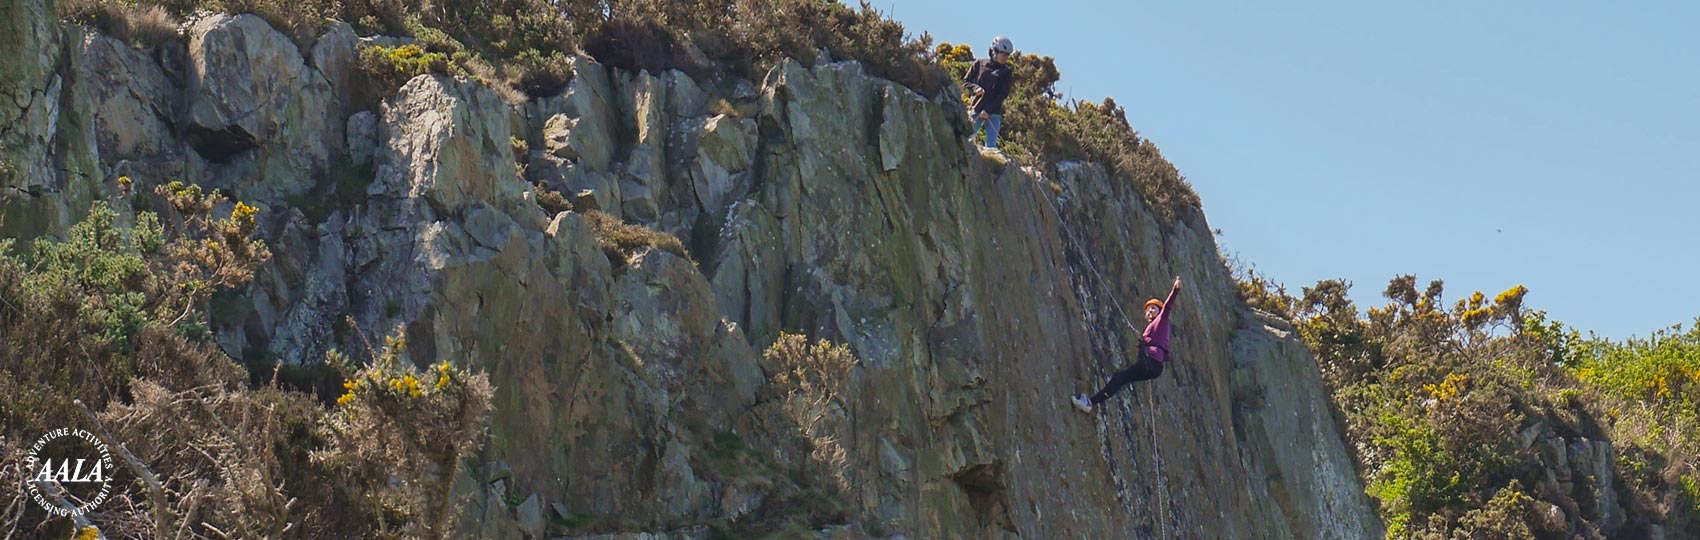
[{"x": 996, "y": 79}]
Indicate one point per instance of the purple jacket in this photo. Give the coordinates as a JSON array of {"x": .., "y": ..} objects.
[{"x": 1155, "y": 340}]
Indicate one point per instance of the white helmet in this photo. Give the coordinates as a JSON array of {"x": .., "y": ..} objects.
[{"x": 1002, "y": 44}]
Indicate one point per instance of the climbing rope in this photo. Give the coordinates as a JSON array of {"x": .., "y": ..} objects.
[{"x": 1150, "y": 406}]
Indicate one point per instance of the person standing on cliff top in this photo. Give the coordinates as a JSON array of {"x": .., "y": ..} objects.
[
  {"x": 990, "y": 80},
  {"x": 1153, "y": 352}
]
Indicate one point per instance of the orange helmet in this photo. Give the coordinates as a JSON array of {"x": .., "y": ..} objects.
[{"x": 1153, "y": 302}]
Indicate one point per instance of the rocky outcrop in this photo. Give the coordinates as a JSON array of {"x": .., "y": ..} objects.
[
  {"x": 1577, "y": 483},
  {"x": 48, "y": 169},
  {"x": 632, "y": 400},
  {"x": 258, "y": 114},
  {"x": 1309, "y": 490}
]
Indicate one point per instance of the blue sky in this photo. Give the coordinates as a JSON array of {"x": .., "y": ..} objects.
[{"x": 1554, "y": 144}]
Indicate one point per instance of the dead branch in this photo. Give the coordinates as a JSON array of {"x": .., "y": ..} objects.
[{"x": 156, "y": 490}]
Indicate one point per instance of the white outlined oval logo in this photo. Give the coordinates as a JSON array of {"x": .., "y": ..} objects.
[{"x": 70, "y": 472}]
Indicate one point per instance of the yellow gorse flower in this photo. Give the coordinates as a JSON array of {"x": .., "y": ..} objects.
[
  {"x": 1447, "y": 389},
  {"x": 243, "y": 211},
  {"x": 405, "y": 52},
  {"x": 409, "y": 384},
  {"x": 1471, "y": 316},
  {"x": 1511, "y": 294}
]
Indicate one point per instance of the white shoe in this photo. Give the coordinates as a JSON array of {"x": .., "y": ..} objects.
[{"x": 1082, "y": 403}]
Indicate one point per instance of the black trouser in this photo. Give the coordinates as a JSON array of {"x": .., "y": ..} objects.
[{"x": 1144, "y": 369}]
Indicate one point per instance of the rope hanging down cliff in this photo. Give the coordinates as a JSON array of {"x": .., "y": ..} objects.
[{"x": 1115, "y": 302}]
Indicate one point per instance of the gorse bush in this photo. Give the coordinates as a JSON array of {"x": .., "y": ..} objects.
[
  {"x": 114, "y": 318},
  {"x": 420, "y": 422},
  {"x": 386, "y": 69},
  {"x": 79, "y": 317},
  {"x": 809, "y": 382},
  {"x": 1663, "y": 369},
  {"x": 1650, "y": 399},
  {"x": 1437, "y": 400}
]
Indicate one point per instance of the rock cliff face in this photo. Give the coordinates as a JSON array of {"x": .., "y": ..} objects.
[{"x": 632, "y": 393}]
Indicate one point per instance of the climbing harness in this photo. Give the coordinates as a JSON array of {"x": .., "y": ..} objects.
[{"x": 1150, "y": 408}]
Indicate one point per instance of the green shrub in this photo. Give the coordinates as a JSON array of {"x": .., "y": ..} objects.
[
  {"x": 1435, "y": 399},
  {"x": 1263, "y": 293},
  {"x": 1647, "y": 392},
  {"x": 386, "y": 69},
  {"x": 1510, "y": 514},
  {"x": 108, "y": 318},
  {"x": 1663, "y": 368},
  {"x": 539, "y": 74},
  {"x": 729, "y": 458}
]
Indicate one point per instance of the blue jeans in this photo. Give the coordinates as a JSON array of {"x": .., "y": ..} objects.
[{"x": 993, "y": 123}]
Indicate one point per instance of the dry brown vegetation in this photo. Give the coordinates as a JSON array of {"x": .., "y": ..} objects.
[{"x": 107, "y": 331}]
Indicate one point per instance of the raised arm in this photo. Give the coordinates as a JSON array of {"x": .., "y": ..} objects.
[{"x": 1169, "y": 303}]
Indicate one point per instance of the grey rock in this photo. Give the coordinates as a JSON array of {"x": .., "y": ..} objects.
[
  {"x": 334, "y": 56},
  {"x": 557, "y": 137},
  {"x": 246, "y": 80},
  {"x": 488, "y": 227},
  {"x": 496, "y": 522},
  {"x": 637, "y": 202},
  {"x": 531, "y": 517},
  {"x": 685, "y": 494},
  {"x": 447, "y": 141},
  {"x": 49, "y": 168},
  {"x": 685, "y": 98},
  {"x": 133, "y": 102},
  {"x": 362, "y": 137},
  {"x": 1287, "y": 434},
  {"x": 583, "y": 118},
  {"x": 725, "y": 153}
]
